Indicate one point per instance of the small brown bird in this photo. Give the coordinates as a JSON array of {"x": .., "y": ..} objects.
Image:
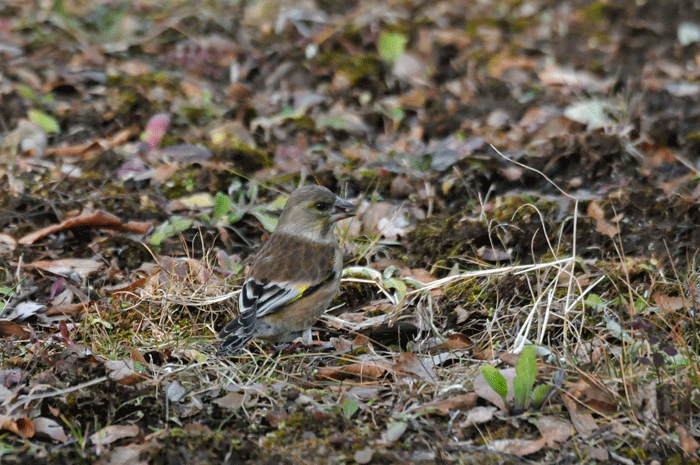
[{"x": 295, "y": 274}]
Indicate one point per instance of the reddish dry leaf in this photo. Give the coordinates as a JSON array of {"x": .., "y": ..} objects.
[
  {"x": 369, "y": 370},
  {"x": 591, "y": 392},
  {"x": 457, "y": 341},
  {"x": 68, "y": 309},
  {"x": 20, "y": 426},
  {"x": 198, "y": 429},
  {"x": 97, "y": 146},
  {"x": 88, "y": 219},
  {"x": 68, "y": 266},
  {"x": 668, "y": 303},
  {"x": 596, "y": 212},
  {"x": 10, "y": 328},
  {"x": 688, "y": 443},
  {"x": 583, "y": 422},
  {"x": 509, "y": 358},
  {"x": 137, "y": 357},
  {"x": 443, "y": 407}
]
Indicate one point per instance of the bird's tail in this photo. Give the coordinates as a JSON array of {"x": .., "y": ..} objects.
[{"x": 237, "y": 334}]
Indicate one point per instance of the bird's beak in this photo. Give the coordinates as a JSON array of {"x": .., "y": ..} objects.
[{"x": 342, "y": 209}]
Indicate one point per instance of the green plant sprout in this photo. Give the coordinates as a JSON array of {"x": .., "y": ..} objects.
[{"x": 525, "y": 395}]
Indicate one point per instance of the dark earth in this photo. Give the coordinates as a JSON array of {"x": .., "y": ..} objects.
[{"x": 484, "y": 134}]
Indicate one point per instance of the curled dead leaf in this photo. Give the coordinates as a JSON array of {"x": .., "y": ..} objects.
[{"x": 20, "y": 426}]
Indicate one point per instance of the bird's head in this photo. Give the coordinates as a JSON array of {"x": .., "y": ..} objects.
[{"x": 311, "y": 211}]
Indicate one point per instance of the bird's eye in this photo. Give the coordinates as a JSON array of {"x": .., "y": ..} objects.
[{"x": 322, "y": 206}]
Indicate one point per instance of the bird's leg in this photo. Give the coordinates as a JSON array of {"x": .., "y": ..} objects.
[{"x": 306, "y": 337}]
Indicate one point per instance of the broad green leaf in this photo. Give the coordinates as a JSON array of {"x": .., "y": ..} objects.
[
  {"x": 9, "y": 291},
  {"x": 394, "y": 431},
  {"x": 222, "y": 205},
  {"x": 157, "y": 238},
  {"x": 594, "y": 301},
  {"x": 47, "y": 122},
  {"x": 496, "y": 380},
  {"x": 362, "y": 272},
  {"x": 350, "y": 408},
  {"x": 520, "y": 392},
  {"x": 616, "y": 331},
  {"x": 398, "y": 285},
  {"x": 391, "y": 46},
  {"x": 268, "y": 221},
  {"x": 526, "y": 367},
  {"x": 197, "y": 201},
  {"x": 278, "y": 203},
  {"x": 181, "y": 224}
]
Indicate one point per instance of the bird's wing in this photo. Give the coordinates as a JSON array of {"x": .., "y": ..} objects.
[{"x": 258, "y": 299}]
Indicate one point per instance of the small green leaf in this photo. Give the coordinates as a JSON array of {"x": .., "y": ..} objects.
[
  {"x": 268, "y": 221},
  {"x": 168, "y": 229},
  {"x": 8, "y": 291},
  {"x": 181, "y": 224},
  {"x": 47, "y": 122},
  {"x": 157, "y": 238},
  {"x": 222, "y": 205},
  {"x": 236, "y": 215},
  {"x": 520, "y": 392},
  {"x": 26, "y": 92},
  {"x": 540, "y": 394},
  {"x": 593, "y": 300},
  {"x": 391, "y": 46},
  {"x": 496, "y": 381},
  {"x": 350, "y": 408}
]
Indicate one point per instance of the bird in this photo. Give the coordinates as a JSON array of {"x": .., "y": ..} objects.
[{"x": 294, "y": 276}]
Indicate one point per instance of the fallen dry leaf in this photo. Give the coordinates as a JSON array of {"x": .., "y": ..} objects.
[
  {"x": 443, "y": 407},
  {"x": 68, "y": 267},
  {"x": 554, "y": 430},
  {"x": 49, "y": 428},
  {"x": 20, "y": 426},
  {"x": 10, "y": 328},
  {"x": 688, "y": 443},
  {"x": 123, "y": 371},
  {"x": 112, "y": 433},
  {"x": 97, "y": 219},
  {"x": 478, "y": 415},
  {"x": 583, "y": 422},
  {"x": 519, "y": 447},
  {"x": 422, "y": 368},
  {"x": 596, "y": 212}
]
